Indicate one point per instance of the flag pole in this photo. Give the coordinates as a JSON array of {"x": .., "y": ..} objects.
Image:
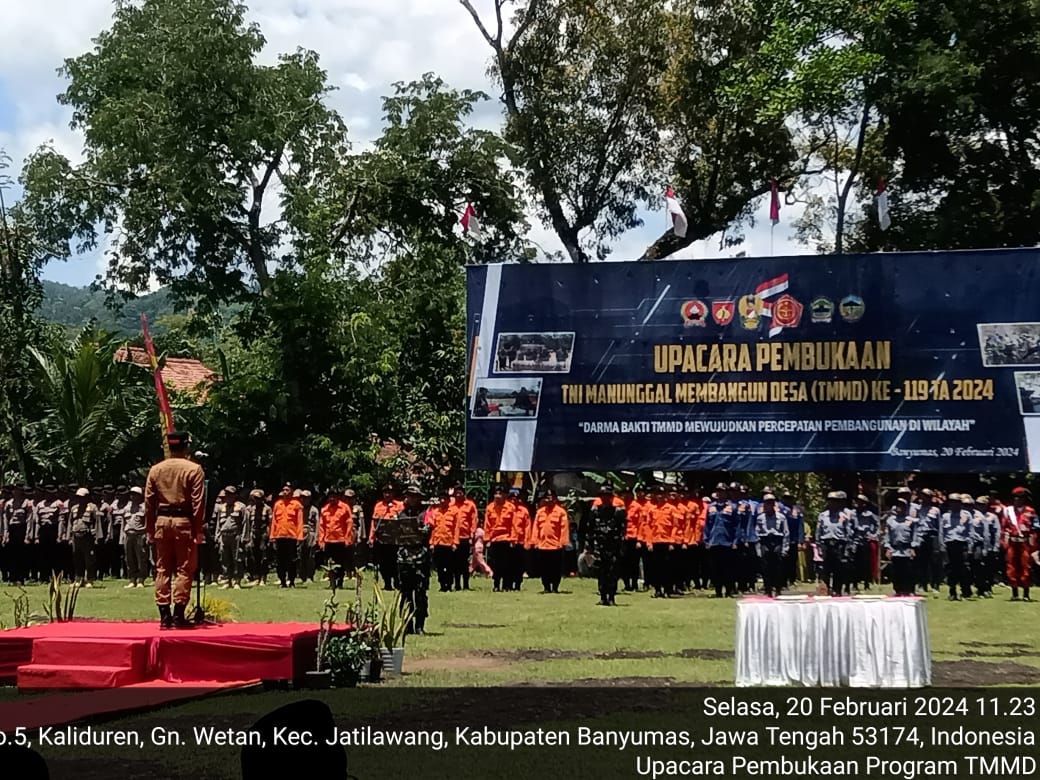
[{"x": 165, "y": 412}]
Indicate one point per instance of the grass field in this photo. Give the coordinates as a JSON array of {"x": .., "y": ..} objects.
[
  {"x": 574, "y": 662},
  {"x": 481, "y": 638}
]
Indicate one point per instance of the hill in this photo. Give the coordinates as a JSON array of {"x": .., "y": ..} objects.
[{"x": 74, "y": 307}]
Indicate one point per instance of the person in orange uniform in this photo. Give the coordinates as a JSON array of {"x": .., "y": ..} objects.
[
  {"x": 631, "y": 547},
  {"x": 552, "y": 532},
  {"x": 466, "y": 511},
  {"x": 444, "y": 539},
  {"x": 1019, "y": 537},
  {"x": 678, "y": 558},
  {"x": 662, "y": 521},
  {"x": 336, "y": 535},
  {"x": 383, "y": 552},
  {"x": 286, "y": 534},
  {"x": 691, "y": 505},
  {"x": 175, "y": 521},
  {"x": 518, "y": 539},
  {"x": 498, "y": 530}
]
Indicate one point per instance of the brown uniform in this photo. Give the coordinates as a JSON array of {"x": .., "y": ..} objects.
[{"x": 175, "y": 517}]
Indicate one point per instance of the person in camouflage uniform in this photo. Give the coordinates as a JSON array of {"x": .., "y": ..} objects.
[
  {"x": 413, "y": 559},
  {"x": 606, "y": 540},
  {"x": 254, "y": 535}
]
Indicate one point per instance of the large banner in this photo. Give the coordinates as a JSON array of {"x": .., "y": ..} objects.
[{"x": 888, "y": 362}]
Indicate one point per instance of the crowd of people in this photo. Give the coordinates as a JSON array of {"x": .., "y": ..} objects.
[{"x": 666, "y": 538}]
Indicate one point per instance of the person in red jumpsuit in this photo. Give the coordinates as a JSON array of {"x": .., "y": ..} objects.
[{"x": 1019, "y": 537}]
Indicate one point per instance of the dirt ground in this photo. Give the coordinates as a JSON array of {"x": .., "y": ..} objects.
[{"x": 964, "y": 672}]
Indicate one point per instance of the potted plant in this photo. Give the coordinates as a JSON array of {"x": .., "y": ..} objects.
[
  {"x": 372, "y": 670},
  {"x": 321, "y": 677},
  {"x": 394, "y": 618},
  {"x": 345, "y": 654}
]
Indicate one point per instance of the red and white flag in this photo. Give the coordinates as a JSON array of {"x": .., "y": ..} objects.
[
  {"x": 774, "y": 201},
  {"x": 884, "y": 220},
  {"x": 679, "y": 223},
  {"x": 766, "y": 290},
  {"x": 470, "y": 223}
]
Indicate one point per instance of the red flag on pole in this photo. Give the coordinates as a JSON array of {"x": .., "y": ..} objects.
[
  {"x": 165, "y": 412},
  {"x": 774, "y": 201}
]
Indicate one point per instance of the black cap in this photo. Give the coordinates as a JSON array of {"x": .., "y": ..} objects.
[
  {"x": 606, "y": 487},
  {"x": 178, "y": 437}
]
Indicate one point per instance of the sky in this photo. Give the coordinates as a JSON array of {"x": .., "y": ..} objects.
[{"x": 364, "y": 45}]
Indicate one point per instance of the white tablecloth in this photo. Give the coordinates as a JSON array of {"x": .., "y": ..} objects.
[{"x": 859, "y": 643}]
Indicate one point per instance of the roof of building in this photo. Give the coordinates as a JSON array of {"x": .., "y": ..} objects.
[{"x": 185, "y": 375}]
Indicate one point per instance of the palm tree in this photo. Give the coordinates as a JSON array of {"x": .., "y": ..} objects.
[{"x": 95, "y": 408}]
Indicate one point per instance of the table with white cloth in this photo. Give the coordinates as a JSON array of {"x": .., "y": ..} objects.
[{"x": 820, "y": 641}]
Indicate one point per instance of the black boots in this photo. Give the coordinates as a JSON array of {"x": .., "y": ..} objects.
[
  {"x": 179, "y": 620},
  {"x": 165, "y": 616}
]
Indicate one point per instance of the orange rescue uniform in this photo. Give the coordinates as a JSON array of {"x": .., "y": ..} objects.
[
  {"x": 552, "y": 527},
  {"x": 445, "y": 527},
  {"x": 336, "y": 525},
  {"x": 287, "y": 519},
  {"x": 498, "y": 521}
]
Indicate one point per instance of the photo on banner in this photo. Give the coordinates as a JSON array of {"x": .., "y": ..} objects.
[
  {"x": 534, "y": 353},
  {"x": 1028, "y": 384},
  {"x": 1009, "y": 344},
  {"x": 506, "y": 399}
]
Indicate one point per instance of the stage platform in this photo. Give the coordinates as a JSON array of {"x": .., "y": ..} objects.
[{"x": 87, "y": 654}]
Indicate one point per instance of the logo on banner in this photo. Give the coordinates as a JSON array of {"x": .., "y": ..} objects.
[
  {"x": 694, "y": 313},
  {"x": 822, "y": 310},
  {"x": 751, "y": 310},
  {"x": 787, "y": 312},
  {"x": 852, "y": 308},
  {"x": 722, "y": 311}
]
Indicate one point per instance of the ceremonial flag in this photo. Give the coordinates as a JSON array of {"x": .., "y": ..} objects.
[
  {"x": 679, "y": 223},
  {"x": 774, "y": 201},
  {"x": 884, "y": 220},
  {"x": 165, "y": 412},
  {"x": 470, "y": 223}
]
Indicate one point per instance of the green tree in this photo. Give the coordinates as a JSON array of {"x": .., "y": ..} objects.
[
  {"x": 608, "y": 101},
  {"x": 186, "y": 138},
  {"x": 20, "y": 294},
  {"x": 959, "y": 105},
  {"x": 98, "y": 416}
]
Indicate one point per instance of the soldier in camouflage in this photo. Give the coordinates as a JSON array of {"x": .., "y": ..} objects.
[
  {"x": 606, "y": 540},
  {"x": 413, "y": 558}
]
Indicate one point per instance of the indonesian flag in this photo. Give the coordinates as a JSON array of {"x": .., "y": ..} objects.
[
  {"x": 884, "y": 220},
  {"x": 774, "y": 201},
  {"x": 470, "y": 223},
  {"x": 679, "y": 223},
  {"x": 766, "y": 290}
]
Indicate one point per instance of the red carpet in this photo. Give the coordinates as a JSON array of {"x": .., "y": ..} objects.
[{"x": 101, "y": 654}]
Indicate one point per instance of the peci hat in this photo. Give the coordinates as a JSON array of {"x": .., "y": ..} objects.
[{"x": 178, "y": 437}]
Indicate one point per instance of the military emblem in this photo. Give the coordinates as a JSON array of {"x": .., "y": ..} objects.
[
  {"x": 822, "y": 310},
  {"x": 787, "y": 312},
  {"x": 750, "y": 310},
  {"x": 852, "y": 308},
  {"x": 722, "y": 311},
  {"x": 694, "y": 313}
]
